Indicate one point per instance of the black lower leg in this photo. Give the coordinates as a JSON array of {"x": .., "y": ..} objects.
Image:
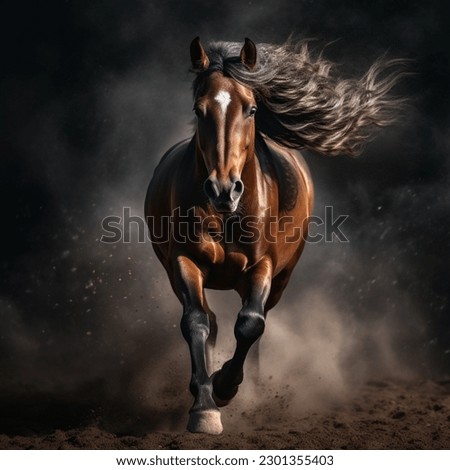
[
  {"x": 195, "y": 329},
  {"x": 249, "y": 327},
  {"x": 211, "y": 341}
]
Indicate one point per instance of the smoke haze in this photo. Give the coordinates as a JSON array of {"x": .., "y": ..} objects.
[{"x": 94, "y": 93}]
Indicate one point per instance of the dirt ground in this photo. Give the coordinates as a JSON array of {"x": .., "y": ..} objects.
[{"x": 381, "y": 415}]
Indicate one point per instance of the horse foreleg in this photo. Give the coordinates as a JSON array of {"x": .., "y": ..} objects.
[
  {"x": 249, "y": 327},
  {"x": 204, "y": 415},
  {"x": 278, "y": 285}
]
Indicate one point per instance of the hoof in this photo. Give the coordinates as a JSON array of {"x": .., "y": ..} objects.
[
  {"x": 221, "y": 402},
  {"x": 207, "y": 422}
]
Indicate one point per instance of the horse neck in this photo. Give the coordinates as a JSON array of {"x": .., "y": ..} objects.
[{"x": 249, "y": 177}]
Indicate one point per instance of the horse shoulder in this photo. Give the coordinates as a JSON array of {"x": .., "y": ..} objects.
[
  {"x": 158, "y": 201},
  {"x": 158, "y": 198},
  {"x": 295, "y": 200}
]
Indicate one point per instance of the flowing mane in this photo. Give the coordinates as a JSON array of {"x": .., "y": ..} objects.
[{"x": 303, "y": 104}]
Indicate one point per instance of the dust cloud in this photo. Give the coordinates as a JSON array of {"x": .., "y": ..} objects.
[{"x": 90, "y": 331}]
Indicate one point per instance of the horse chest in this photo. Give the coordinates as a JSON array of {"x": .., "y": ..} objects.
[
  {"x": 223, "y": 256},
  {"x": 225, "y": 264}
]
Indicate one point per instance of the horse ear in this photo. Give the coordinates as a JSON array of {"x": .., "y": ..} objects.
[
  {"x": 199, "y": 58},
  {"x": 248, "y": 53}
]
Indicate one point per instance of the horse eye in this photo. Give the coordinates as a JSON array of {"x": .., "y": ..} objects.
[
  {"x": 199, "y": 110},
  {"x": 252, "y": 111}
]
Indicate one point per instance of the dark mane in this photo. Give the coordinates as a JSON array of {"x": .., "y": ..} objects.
[{"x": 301, "y": 103}]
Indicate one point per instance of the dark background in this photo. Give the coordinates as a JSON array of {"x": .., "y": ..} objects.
[{"x": 93, "y": 92}]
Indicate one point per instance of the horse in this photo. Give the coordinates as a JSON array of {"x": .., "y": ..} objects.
[{"x": 228, "y": 209}]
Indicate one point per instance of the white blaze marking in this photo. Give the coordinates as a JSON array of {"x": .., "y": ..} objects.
[{"x": 224, "y": 99}]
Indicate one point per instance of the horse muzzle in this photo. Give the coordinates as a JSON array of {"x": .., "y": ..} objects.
[{"x": 224, "y": 197}]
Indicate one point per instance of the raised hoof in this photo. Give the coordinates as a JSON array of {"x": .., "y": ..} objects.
[
  {"x": 221, "y": 402},
  {"x": 207, "y": 422}
]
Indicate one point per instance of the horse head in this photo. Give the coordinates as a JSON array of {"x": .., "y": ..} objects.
[{"x": 225, "y": 132}]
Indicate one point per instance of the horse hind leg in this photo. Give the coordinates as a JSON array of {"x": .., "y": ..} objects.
[{"x": 212, "y": 338}]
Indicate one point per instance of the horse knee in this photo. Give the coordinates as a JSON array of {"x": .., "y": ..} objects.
[
  {"x": 194, "y": 322},
  {"x": 249, "y": 326}
]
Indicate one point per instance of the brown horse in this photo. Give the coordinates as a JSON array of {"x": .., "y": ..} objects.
[{"x": 229, "y": 208}]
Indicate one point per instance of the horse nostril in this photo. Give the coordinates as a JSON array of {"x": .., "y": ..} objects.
[
  {"x": 237, "y": 190},
  {"x": 211, "y": 188}
]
